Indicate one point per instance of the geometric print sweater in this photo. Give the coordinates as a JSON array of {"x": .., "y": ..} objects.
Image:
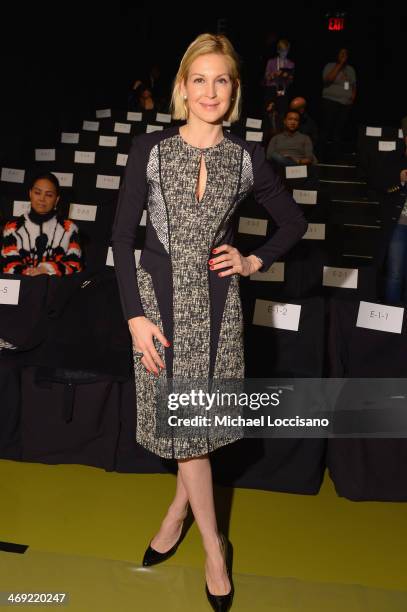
[{"x": 58, "y": 251}]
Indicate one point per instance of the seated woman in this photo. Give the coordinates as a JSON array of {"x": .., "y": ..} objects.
[
  {"x": 141, "y": 98},
  {"x": 39, "y": 241}
]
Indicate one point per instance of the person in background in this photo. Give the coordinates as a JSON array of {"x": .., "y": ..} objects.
[
  {"x": 291, "y": 147},
  {"x": 307, "y": 124},
  {"x": 273, "y": 123},
  {"x": 278, "y": 77},
  {"x": 152, "y": 81},
  {"x": 396, "y": 256},
  {"x": 338, "y": 96},
  {"x": 141, "y": 98},
  {"x": 404, "y": 130},
  {"x": 39, "y": 241}
]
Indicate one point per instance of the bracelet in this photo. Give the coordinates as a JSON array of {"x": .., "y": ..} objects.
[{"x": 260, "y": 260}]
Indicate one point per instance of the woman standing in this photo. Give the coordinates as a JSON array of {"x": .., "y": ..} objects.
[
  {"x": 38, "y": 242},
  {"x": 182, "y": 301}
]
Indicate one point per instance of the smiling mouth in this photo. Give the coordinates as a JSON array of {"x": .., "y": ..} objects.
[{"x": 209, "y": 105}]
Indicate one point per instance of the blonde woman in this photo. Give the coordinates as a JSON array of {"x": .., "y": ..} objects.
[{"x": 182, "y": 301}]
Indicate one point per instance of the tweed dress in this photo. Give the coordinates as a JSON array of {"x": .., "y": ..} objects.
[{"x": 199, "y": 312}]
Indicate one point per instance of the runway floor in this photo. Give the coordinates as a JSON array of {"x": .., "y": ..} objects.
[{"x": 86, "y": 532}]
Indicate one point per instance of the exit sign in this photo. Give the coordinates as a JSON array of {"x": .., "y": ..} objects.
[{"x": 336, "y": 24}]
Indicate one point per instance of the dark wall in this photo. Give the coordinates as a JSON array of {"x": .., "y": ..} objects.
[{"x": 64, "y": 62}]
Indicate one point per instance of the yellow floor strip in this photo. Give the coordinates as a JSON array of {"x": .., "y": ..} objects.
[{"x": 87, "y": 531}]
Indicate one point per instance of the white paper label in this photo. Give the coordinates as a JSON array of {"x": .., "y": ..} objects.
[
  {"x": 143, "y": 220},
  {"x": 121, "y": 159},
  {"x": 9, "y": 291},
  {"x": 103, "y": 113},
  {"x": 248, "y": 225},
  {"x": 131, "y": 116},
  {"x": 374, "y": 131},
  {"x": 83, "y": 212},
  {"x": 91, "y": 126},
  {"x": 70, "y": 137},
  {"x": 305, "y": 196},
  {"x": 122, "y": 128},
  {"x": 380, "y": 317},
  {"x": 44, "y": 154},
  {"x": 108, "y": 141},
  {"x": 401, "y": 133},
  {"x": 346, "y": 85},
  {"x": 110, "y": 258},
  {"x": 65, "y": 178},
  {"x": 345, "y": 278},
  {"x": 274, "y": 274},
  {"x": 277, "y": 314},
  {"x": 153, "y": 128},
  {"x": 84, "y": 157},
  {"x": 254, "y": 124},
  {"x": 163, "y": 118},
  {"x": 12, "y": 175},
  {"x": 254, "y": 136},
  {"x": 20, "y": 207},
  {"x": 315, "y": 231},
  {"x": 105, "y": 181},
  {"x": 296, "y": 171},
  {"x": 387, "y": 145}
]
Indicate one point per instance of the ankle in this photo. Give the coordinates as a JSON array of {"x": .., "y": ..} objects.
[
  {"x": 212, "y": 542},
  {"x": 177, "y": 513}
]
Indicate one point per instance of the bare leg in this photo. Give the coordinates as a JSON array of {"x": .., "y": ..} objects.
[
  {"x": 196, "y": 475},
  {"x": 171, "y": 526}
]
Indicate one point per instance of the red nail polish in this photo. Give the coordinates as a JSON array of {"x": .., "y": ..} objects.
[
  {"x": 213, "y": 250},
  {"x": 210, "y": 261},
  {"x": 211, "y": 268}
]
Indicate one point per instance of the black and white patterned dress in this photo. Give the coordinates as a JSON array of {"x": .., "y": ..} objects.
[{"x": 199, "y": 312}]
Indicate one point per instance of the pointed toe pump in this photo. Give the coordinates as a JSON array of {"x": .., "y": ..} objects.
[
  {"x": 152, "y": 556},
  {"x": 222, "y": 603}
]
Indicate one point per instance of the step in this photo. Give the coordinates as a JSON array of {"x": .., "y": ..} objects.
[{"x": 338, "y": 172}]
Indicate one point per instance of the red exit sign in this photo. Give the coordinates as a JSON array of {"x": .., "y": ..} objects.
[{"x": 336, "y": 24}]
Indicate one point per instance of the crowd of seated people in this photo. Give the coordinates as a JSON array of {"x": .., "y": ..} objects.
[{"x": 41, "y": 241}]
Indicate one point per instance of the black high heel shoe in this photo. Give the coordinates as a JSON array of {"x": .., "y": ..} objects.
[
  {"x": 152, "y": 556},
  {"x": 222, "y": 603}
]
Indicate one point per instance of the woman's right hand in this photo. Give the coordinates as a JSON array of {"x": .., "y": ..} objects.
[{"x": 142, "y": 332}]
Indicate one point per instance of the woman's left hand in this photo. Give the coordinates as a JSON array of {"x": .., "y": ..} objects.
[{"x": 227, "y": 256}]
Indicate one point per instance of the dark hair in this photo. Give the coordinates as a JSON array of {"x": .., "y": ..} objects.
[
  {"x": 49, "y": 177},
  {"x": 341, "y": 48},
  {"x": 287, "y": 112}
]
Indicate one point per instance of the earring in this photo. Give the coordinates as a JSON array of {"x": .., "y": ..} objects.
[{"x": 185, "y": 97}]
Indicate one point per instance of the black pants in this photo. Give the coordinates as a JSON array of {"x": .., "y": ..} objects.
[{"x": 334, "y": 119}]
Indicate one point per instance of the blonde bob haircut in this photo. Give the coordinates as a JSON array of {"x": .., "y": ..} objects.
[{"x": 203, "y": 44}]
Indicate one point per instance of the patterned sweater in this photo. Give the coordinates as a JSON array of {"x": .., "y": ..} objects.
[{"x": 29, "y": 241}]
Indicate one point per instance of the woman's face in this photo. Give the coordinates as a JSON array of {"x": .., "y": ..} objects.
[
  {"x": 43, "y": 196},
  {"x": 209, "y": 88},
  {"x": 145, "y": 93}
]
